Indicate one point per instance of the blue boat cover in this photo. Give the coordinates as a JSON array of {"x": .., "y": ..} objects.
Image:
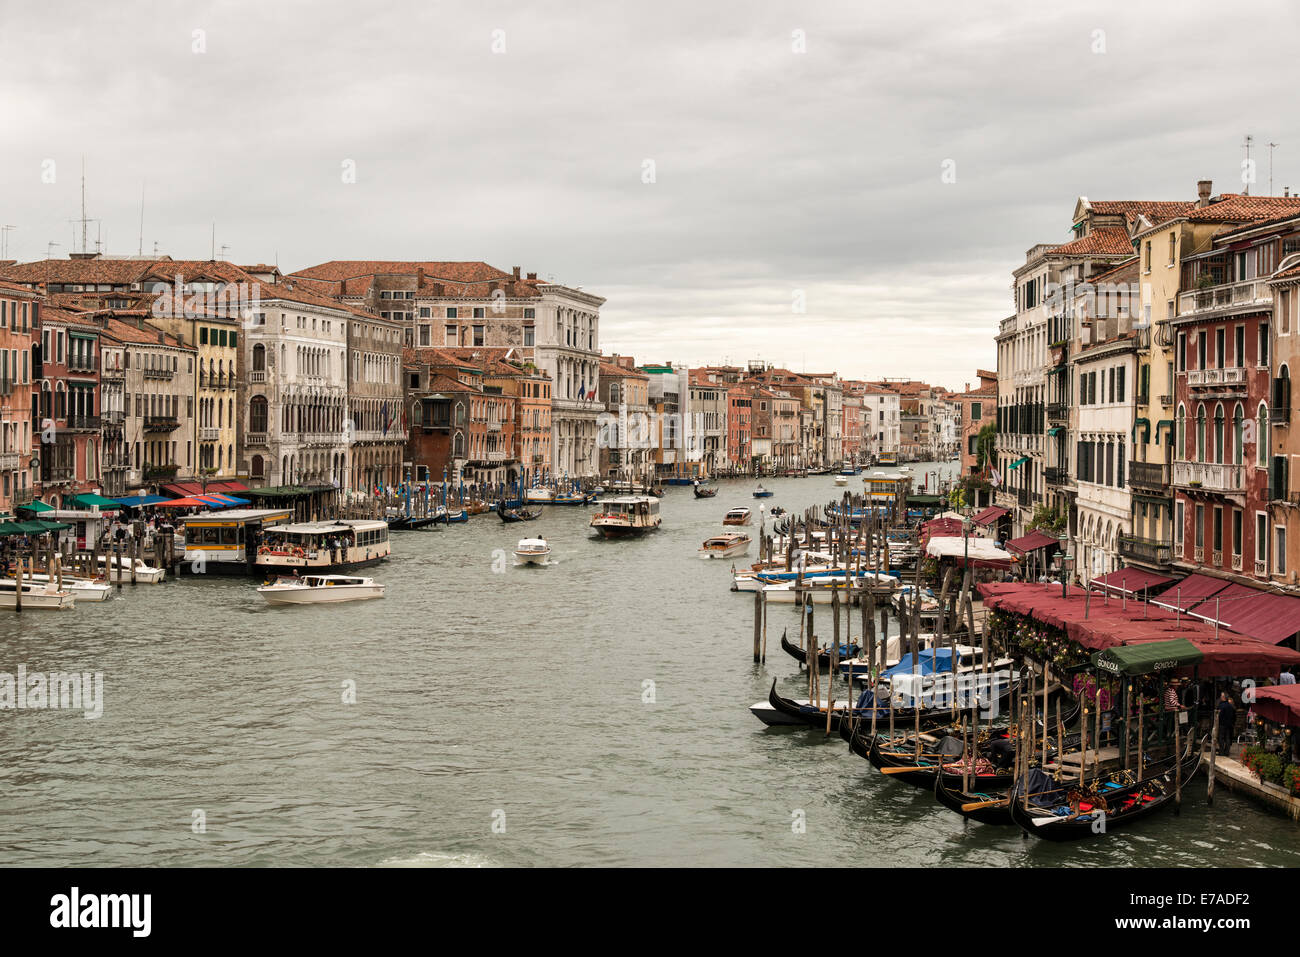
[{"x": 932, "y": 660}]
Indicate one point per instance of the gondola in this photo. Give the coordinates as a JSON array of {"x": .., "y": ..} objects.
[
  {"x": 520, "y": 514},
  {"x": 702, "y": 492},
  {"x": 823, "y": 656},
  {"x": 815, "y": 715},
  {"x": 1081, "y": 814},
  {"x": 450, "y": 517}
]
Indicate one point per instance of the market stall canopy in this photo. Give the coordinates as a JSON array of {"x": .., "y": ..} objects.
[
  {"x": 134, "y": 501},
  {"x": 35, "y": 505},
  {"x": 1032, "y": 542},
  {"x": 1148, "y": 656},
  {"x": 183, "y": 503},
  {"x": 1279, "y": 704},
  {"x": 1248, "y": 611},
  {"x": 981, "y": 551},
  {"x": 1131, "y": 581},
  {"x": 990, "y": 515},
  {"x": 947, "y": 527},
  {"x": 90, "y": 500},
  {"x": 1190, "y": 591}
]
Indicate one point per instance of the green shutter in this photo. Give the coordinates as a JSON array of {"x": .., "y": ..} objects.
[{"x": 203, "y": 335}]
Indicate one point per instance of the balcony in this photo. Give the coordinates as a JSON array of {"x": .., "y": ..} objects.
[
  {"x": 1056, "y": 475},
  {"x": 1281, "y": 416},
  {"x": 161, "y": 423},
  {"x": 1232, "y": 296},
  {"x": 257, "y": 375},
  {"x": 1198, "y": 554},
  {"x": 1234, "y": 376},
  {"x": 1236, "y": 563},
  {"x": 1210, "y": 476},
  {"x": 83, "y": 423},
  {"x": 1152, "y": 475},
  {"x": 1058, "y": 412},
  {"x": 209, "y": 434},
  {"x": 116, "y": 463},
  {"x": 81, "y": 364},
  {"x": 158, "y": 373},
  {"x": 113, "y": 374},
  {"x": 1148, "y": 551},
  {"x": 1167, "y": 401},
  {"x": 114, "y": 417},
  {"x": 255, "y": 440},
  {"x": 1024, "y": 497},
  {"x": 23, "y": 495},
  {"x": 496, "y": 456},
  {"x": 57, "y": 473},
  {"x": 9, "y": 461},
  {"x": 1261, "y": 568}
]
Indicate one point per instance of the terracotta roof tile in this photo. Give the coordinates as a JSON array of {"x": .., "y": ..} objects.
[{"x": 1103, "y": 241}]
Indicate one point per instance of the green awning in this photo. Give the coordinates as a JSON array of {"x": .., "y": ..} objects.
[
  {"x": 1056, "y": 430},
  {"x": 1017, "y": 463},
  {"x": 89, "y": 499},
  {"x": 1144, "y": 658},
  {"x": 52, "y": 526},
  {"x": 1141, "y": 423},
  {"x": 10, "y": 528},
  {"x": 36, "y": 505},
  {"x": 1165, "y": 424},
  {"x": 35, "y": 527}
]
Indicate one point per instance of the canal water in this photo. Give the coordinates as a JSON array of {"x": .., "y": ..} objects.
[{"x": 594, "y": 711}]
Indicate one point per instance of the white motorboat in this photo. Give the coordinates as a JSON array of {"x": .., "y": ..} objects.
[
  {"x": 82, "y": 589},
  {"x": 533, "y": 551},
  {"x": 315, "y": 589},
  {"x": 36, "y": 595},
  {"x": 539, "y": 494},
  {"x": 737, "y": 516},
  {"x": 725, "y": 546},
  {"x": 841, "y": 480},
  {"x": 120, "y": 570}
]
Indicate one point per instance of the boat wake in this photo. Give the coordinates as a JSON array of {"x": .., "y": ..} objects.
[{"x": 438, "y": 859}]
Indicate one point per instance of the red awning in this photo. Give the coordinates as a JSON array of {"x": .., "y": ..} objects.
[
  {"x": 1279, "y": 704},
  {"x": 184, "y": 503},
  {"x": 1032, "y": 542},
  {"x": 228, "y": 485},
  {"x": 183, "y": 488},
  {"x": 1102, "y": 622},
  {"x": 1130, "y": 581},
  {"x": 942, "y": 527},
  {"x": 1249, "y": 611},
  {"x": 1189, "y": 592},
  {"x": 990, "y": 515}
]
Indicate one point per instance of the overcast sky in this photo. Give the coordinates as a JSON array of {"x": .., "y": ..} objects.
[{"x": 779, "y": 176}]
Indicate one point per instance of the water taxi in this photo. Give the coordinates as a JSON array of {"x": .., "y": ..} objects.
[
  {"x": 315, "y": 589},
  {"x": 627, "y": 516},
  {"x": 44, "y": 596},
  {"x": 82, "y": 589},
  {"x": 322, "y": 546},
  {"x": 571, "y": 498},
  {"x": 532, "y": 551},
  {"x": 761, "y": 492},
  {"x": 737, "y": 516},
  {"x": 725, "y": 546},
  {"x": 842, "y": 480},
  {"x": 539, "y": 494},
  {"x": 119, "y": 570}
]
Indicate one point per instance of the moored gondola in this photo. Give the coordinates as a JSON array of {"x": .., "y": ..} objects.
[
  {"x": 823, "y": 656},
  {"x": 1072, "y": 811}
]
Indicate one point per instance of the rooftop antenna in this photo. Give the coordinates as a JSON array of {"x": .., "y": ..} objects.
[
  {"x": 224, "y": 247},
  {"x": 4, "y": 241},
  {"x": 99, "y": 237},
  {"x": 1271, "y": 147},
  {"x": 1249, "y": 139}
]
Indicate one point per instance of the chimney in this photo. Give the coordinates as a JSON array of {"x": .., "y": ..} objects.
[
  {"x": 162, "y": 339},
  {"x": 419, "y": 276},
  {"x": 532, "y": 275},
  {"x": 437, "y": 289},
  {"x": 1203, "y": 189},
  {"x": 516, "y": 272}
]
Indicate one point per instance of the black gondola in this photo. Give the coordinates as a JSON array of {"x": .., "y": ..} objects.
[
  {"x": 815, "y": 715},
  {"x": 823, "y": 656},
  {"x": 520, "y": 514},
  {"x": 1107, "y": 809},
  {"x": 702, "y": 492}
]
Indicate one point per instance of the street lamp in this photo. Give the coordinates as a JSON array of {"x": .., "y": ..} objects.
[{"x": 1066, "y": 562}]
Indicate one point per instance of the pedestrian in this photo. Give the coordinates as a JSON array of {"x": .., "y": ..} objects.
[
  {"x": 1227, "y": 721},
  {"x": 1286, "y": 678}
]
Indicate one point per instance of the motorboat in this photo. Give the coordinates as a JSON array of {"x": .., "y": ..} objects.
[
  {"x": 533, "y": 551},
  {"x": 82, "y": 589},
  {"x": 317, "y": 589},
  {"x": 761, "y": 492},
  {"x": 737, "y": 516},
  {"x": 44, "y": 596},
  {"x": 627, "y": 516},
  {"x": 725, "y": 546},
  {"x": 841, "y": 480},
  {"x": 539, "y": 494},
  {"x": 119, "y": 570}
]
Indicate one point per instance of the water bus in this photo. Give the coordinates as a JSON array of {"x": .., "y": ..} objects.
[
  {"x": 323, "y": 546},
  {"x": 627, "y": 516},
  {"x": 225, "y": 542}
]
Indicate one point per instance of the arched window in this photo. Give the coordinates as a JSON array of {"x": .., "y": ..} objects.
[
  {"x": 259, "y": 358},
  {"x": 416, "y": 415},
  {"x": 1218, "y": 433},
  {"x": 1181, "y": 433},
  {"x": 1262, "y": 442},
  {"x": 257, "y": 414},
  {"x": 255, "y": 467},
  {"x": 1238, "y": 432},
  {"x": 1200, "y": 436},
  {"x": 458, "y": 443}
]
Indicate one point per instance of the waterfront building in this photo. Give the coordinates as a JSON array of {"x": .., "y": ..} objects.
[
  {"x": 1284, "y": 504},
  {"x": 740, "y": 427},
  {"x": 20, "y": 315},
  {"x": 624, "y": 450},
  {"x": 67, "y": 407},
  {"x": 375, "y": 396},
  {"x": 677, "y": 443},
  {"x": 978, "y": 410},
  {"x": 474, "y": 305},
  {"x": 850, "y": 452},
  {"x": 709, "y": 401}
]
